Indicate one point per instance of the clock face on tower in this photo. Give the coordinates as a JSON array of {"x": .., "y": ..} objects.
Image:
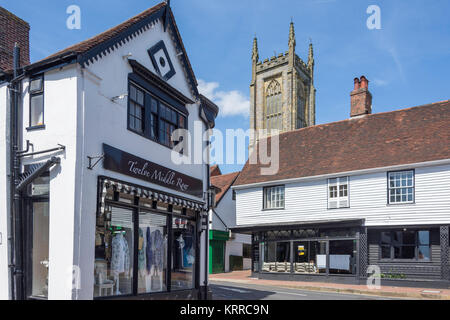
[{"x": 161, "y": 60}]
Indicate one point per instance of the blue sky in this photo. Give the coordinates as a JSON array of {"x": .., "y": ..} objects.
[{"x": 407, "y": 61}]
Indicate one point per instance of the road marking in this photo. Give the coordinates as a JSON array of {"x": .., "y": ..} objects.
[
  {"x": 235, "y": 290},
  {"x": 294, "y": 294}
]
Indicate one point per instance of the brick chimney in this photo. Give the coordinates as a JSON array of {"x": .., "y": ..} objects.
[
  {"x": 13, "y": 30},
  {"x": 361, "y": 98}
]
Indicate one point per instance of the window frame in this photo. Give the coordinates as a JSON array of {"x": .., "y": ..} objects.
[
  {"x": 416, "y": 246},
  {"x": 149, "y": 97},
  {"x": 35, "y": 93},
  {"x": 389, "y": 173},
  {"x": 338, "y": 198},
  {"x": 264, "y": 208},
  {"x": 143, "y": 113}
]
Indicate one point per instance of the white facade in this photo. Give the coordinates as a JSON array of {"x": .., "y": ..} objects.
[
  {"x": 80, "y": 115},
  {"x": 306, "y": 199}
]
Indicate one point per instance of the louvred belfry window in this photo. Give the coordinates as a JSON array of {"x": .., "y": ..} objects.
[
  {"x": 274, "y": 107},
  {"x": 338, "y": 193}
]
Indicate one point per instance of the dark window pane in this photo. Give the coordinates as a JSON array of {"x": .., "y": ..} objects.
[
  {"x": 385, "y": 252},
  {"x": 404, "y": 252},
  {"x": 140, "y": 97},
  {"x": 405, "y": 237},
  {"x": 386, "y": 238},
  {"x": 133, "y": 93},
  {"x": 154, "y": 106}
]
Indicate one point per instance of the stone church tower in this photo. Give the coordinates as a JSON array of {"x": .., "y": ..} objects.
[{"x": 282, "y": 93}]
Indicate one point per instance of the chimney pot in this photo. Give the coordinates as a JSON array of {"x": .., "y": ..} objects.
[
  {"x": 364, "y": 82},
  {"x": 361, "y": 98},
  {"x": 357, "y": 84}
]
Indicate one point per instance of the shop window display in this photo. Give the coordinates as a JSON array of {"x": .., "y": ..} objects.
[
  {"x": 152, "y": 253},
  {"x": 310, "y": 257},
  {"x": 114, "y": 253},
  {"x": 276, "y": 257},
  {"x": 183, "y": 254},
  {"x": 343, "y": 257}
]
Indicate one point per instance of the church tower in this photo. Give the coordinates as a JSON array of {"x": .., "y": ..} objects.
[{"x": 282, "y": 93}]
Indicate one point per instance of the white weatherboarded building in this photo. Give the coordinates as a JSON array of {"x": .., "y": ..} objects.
[{"x": 372, "y": 190}]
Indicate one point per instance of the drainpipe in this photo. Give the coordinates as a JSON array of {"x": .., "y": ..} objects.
[
  {"x": 207, "y": 228},
  {"x": 15, "y": 215}
]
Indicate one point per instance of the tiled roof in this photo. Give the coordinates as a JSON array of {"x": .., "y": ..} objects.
[
  {"x": 223, "y": 182},
  {"x": 400, "y": 137},
  {"x": 215, "y": 170}
]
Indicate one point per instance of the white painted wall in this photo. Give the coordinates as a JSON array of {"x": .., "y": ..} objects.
[
  {"x": 102, "y": 121},
  {"x": 4, "y": 193},
  {"x": 60, "y": 114},
  {"x": 307, "y": 201}
]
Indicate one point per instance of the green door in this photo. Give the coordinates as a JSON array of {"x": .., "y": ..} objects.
[{"x": 216, "y": 256}]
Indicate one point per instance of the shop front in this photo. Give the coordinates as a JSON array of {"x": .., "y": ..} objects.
[
  {"x": 306, "y": 251},
  {"x": 147, "y": 241}
]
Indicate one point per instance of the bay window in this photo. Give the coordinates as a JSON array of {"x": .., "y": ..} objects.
[{"x": 151, "y": 117}]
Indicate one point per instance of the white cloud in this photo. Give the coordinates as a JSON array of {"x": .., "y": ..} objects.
[
  {"x": 231, "y": 103},
  {"x": 380, "y": 82}
]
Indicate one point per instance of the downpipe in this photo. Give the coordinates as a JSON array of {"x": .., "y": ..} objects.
[{"x": 16, "y": 221}]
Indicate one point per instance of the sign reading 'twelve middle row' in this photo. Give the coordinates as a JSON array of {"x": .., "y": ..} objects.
[{"x": 130, "y": 165}]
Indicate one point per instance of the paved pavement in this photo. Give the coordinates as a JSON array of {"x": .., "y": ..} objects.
[
  {"x": 234, "y": 291},
  {"x": 242, "y": 278}
]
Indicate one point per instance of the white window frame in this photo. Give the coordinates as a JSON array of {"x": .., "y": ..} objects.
[
  {"x": 277, "y": 198},
  {"x": 340, "y": 200},
  {"x": 401, "y": 187}
]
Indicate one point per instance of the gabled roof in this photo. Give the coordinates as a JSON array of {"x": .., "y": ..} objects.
[
  {"x": 380, "y": 140},
  {"x": 223, "y": 182},
  {"x": 90, "y": 50}
]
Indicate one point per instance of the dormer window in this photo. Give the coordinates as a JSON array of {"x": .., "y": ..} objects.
[{"x": 36, "y": 90}]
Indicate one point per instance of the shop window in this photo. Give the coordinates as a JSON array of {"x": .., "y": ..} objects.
[
  {"x": 338, "y": 193},
  {"x": 183, "y": 254},
  {"x": 405, "y": 245},
  {"x": 114, "y": 249},
  {"x": 310, "y": 257},
  {"x": 273, "y": 197},
  {"x": 152, "y": 253},
  {"x": 342, "y": 257},
  {"x": 276, "y": 257},
  {"x": 36, "y": 90},
  {"x": 401, "y": 187},
  {"x": 151, "y": 117}
]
